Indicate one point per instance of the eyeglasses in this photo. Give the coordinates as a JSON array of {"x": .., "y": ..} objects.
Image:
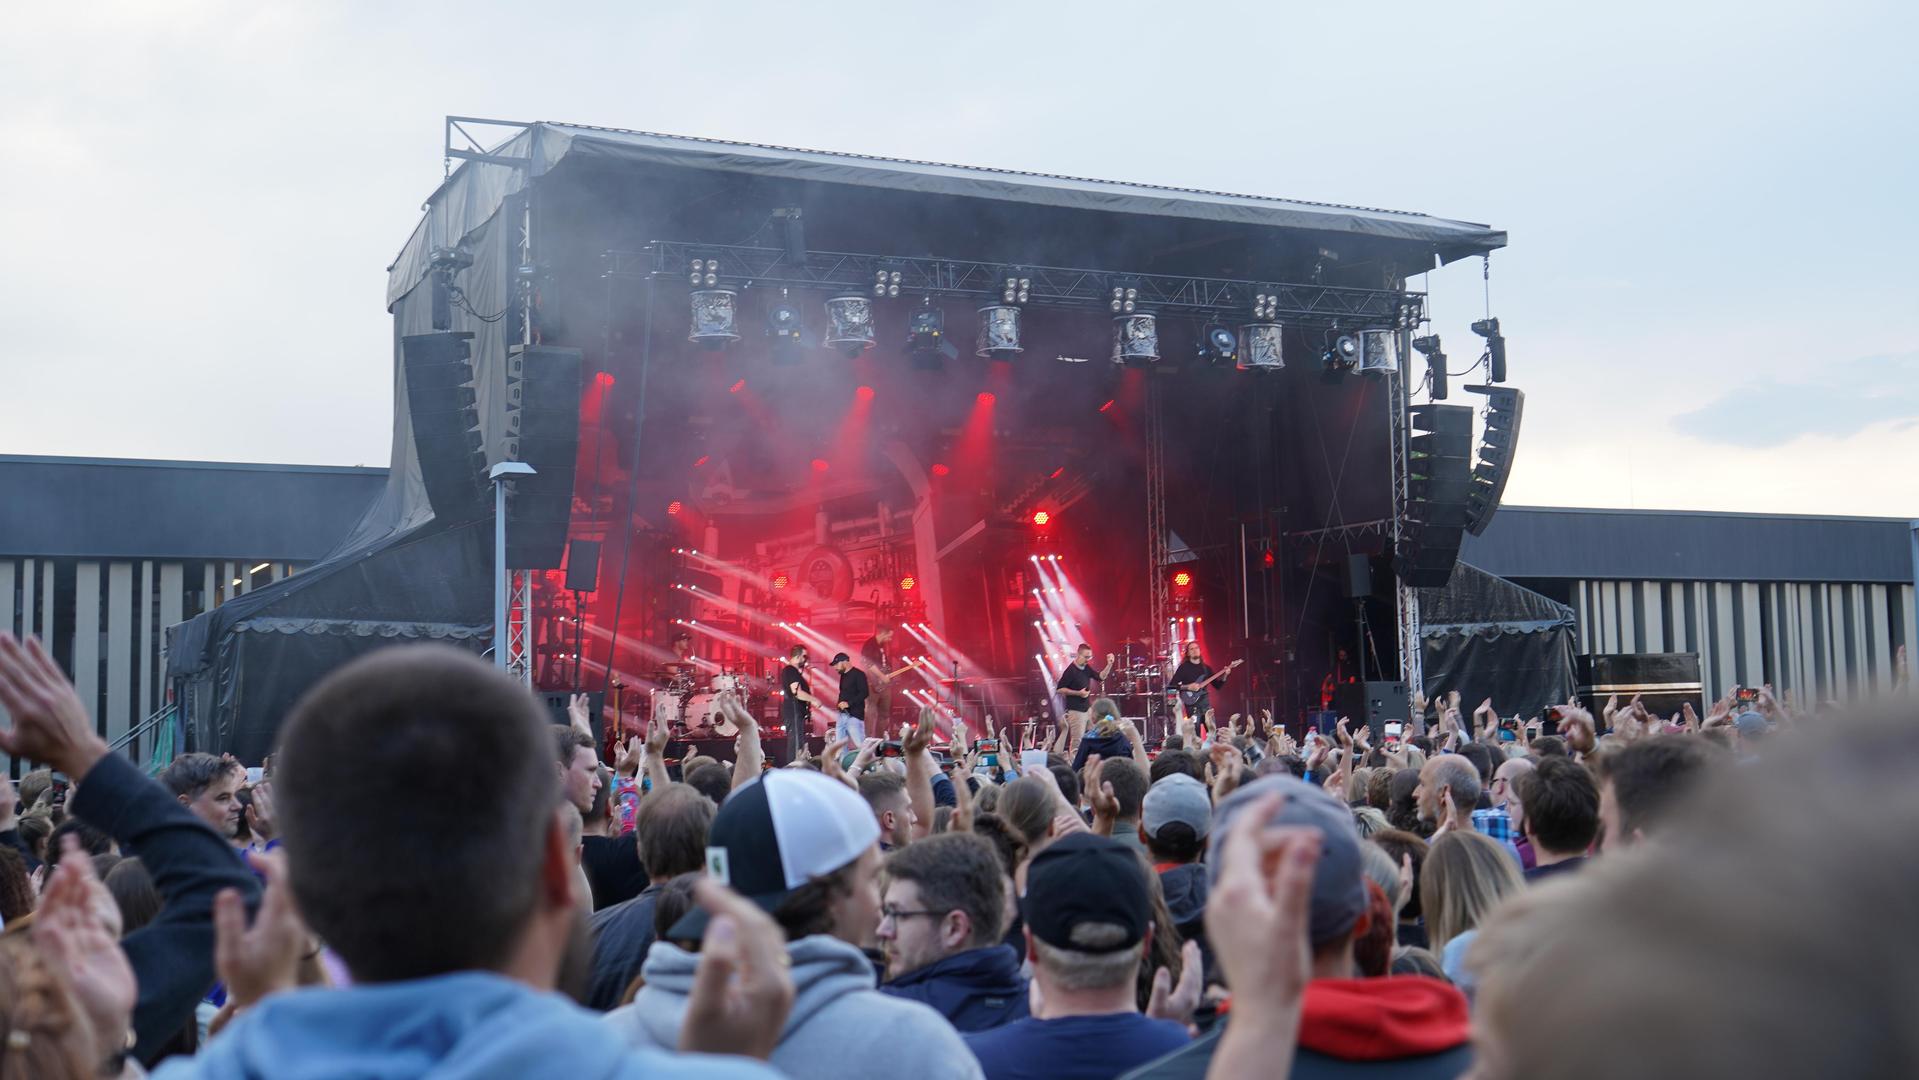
[{"x": 895, "y": 914}]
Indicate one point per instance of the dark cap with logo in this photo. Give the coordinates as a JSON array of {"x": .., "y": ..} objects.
[{"x": 1084, "y": 878}]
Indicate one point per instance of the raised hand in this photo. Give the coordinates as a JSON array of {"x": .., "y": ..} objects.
[
  {"x": 916, "y": 739},
  {"x": 1257, "y": 917},
  {"x": 656, "y": 736},
  {"x": 1177, "y": 1003},
  {"x": 260, "y": 819},
  {"x": 77, "y": 930},
  {"x": 254, "y": 961},
  {"x": 742, "y": 990},
  {"x": 830, "y": 761},
  {"x": 49, "y": 722}
]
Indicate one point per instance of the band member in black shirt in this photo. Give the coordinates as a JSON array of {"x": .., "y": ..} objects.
[
  {"x": 853, "y": 695},
  {"x": 876, "y": 658},
  {"x": 796, "y": 700},
  {"x": 1075, "y": 684},
  {"x": 1193, "y": 678}
]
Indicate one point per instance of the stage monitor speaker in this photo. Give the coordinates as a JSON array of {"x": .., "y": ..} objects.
[
  {"x": 446, "y": 428},
  {"x": 1375, "y": 702},
  {"x": 555, "y": 702},
  {"x": 1665, "y": 681},
  {"x": 543, "y": 386},
  {"x": 583, "y": 566}
]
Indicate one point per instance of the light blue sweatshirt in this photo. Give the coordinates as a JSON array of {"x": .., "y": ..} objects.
[{"x": 466, "y": 1026}]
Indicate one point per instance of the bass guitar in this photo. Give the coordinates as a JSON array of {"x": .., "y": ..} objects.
[{"x": 1191, "y": 698}]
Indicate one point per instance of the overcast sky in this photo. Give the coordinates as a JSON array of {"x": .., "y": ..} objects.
[{"x": 1711, "y": 205}]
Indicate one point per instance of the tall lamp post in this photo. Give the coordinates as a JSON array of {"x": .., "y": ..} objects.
[{"x": 502, "y": 475}]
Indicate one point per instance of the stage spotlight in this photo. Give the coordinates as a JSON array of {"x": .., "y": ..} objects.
[
  {"x": 1495, "y": 348},
  {"x": 1260, "y": 347},
  {"x": 926, "y": 337},
  {"x": 738, "y": 385},
  {"x": 999, "y": 332},
  {"x": 1182, "y": 580},
  {"x": 779, "y": 582},
  {"x": 907, "y": 584},
  {"x": 886, "y": 282},
  {"x": 1041, "y": 518},
  {"x": 849, "y": 324},
  {"x": 863, "y": 393},
  {"x": 820, "y": 465},
  {"x": 1266, "y": 304},
  {"x": 783, "y": 319},
  {"x": 1428, "y": 347},
  {"x": 673, "y": 508},
  {"x": 1376, "y": 351},
  {"x": 939, "y": 469},
  {"x": 715, "y": 313},
  {"x": 1342, "y": 353},
  {"x": 1125, "y": 298},
  {"x": 1218, "y": 344},
  {"x": 1135, "y": 338}
]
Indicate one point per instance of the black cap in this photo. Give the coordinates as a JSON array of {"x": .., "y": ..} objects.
[
  {"x": 1086, "y": 878},
  {"x": 840, "y": 658}
]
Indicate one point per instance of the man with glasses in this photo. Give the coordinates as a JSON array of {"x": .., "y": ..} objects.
[
  {"x": 1501, "y": 820},
  {"x": 942, "y": 918}
]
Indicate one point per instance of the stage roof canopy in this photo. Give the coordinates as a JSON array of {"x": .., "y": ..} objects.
[{"x": 474, "y": 191}]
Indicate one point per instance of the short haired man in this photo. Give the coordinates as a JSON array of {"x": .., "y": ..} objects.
[
  {"x": 885, "y": 793},
  {"x": 804, "y": 847},
  {"x": 1075, "y": 685},
  {"x": 210, "y": 787},
  {"x": 1447, "y": 792},
  {"x": 1392, "y": 1025},
  {"x": 579, "y": 767},
  {"x": 454, "y": 961},
  {"x": 1176, "y": 816},
  {"x": 796, "y": 701},
  {"x": 1088, "y": 915},
  {"x": 941, "y": 920},
  {"x": 854, "y": 690},
  {"x": 611, "y": 862},
  {"x": 1501, "y": 820},
  {"x": 1562, "y": 815},
  {"x": 1644, "y": 781},
  {"x": 1129, "y": 789},
  {"x": 669, "y": 831}
]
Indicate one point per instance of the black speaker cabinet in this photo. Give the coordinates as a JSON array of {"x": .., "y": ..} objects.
[
  {"x": 1665, "y": 680},
  {"x": 583, "y": 565},
  {"x": 1376, "y": 702}
]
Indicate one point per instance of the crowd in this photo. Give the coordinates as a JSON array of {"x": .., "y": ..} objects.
[{"x": 429, "y": 878}]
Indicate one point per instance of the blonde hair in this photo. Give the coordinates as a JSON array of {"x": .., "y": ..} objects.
[
  {"x": 1105, "y": 716},
  {"x": 1357, "y": 785},
  {"x": 1465, "y": 875},
  {"x": 43, "y": 1033}
]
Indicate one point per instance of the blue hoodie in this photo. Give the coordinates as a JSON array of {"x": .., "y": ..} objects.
[
  {"x": 976, "y": 989},
  {"x": 465, "y": 1026}
]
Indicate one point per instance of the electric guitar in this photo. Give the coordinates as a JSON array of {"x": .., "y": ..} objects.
[
  {"x": 1190, "y": 698},
  {"x": 889, "y": 676}
]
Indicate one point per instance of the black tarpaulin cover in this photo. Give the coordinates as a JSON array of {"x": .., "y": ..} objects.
[{"x": 1489, "y": 638}]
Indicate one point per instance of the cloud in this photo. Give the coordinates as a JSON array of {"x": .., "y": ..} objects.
[{"x": 1842, "y": 399}]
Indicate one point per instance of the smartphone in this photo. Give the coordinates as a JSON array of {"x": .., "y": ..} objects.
[
  {"x": 254, "y": 774},
  {"x": 1394, "y": 729},
  {"x": 1746, "y": 696},
  {"x": 892, "y": 748},
  {"x": 1032, "y": 759},
  {"x": 1549, "y": 722},
  {"x": 987, "y": 746}
]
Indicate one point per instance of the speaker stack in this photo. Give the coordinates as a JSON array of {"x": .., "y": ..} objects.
[
  {"x": 446, "y": 428},
  {"x": 543, "y": 430}
]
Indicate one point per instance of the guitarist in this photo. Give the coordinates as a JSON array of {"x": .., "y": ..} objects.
[
  {"x": 875, "y": 657},
  {"x": 1193, "y": 677}
]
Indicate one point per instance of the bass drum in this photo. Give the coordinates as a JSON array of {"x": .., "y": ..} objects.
[
  {"x": 704, "y": 718},
  {"x": 730, "y": 684},
  {"x": 665, "y": 708}
]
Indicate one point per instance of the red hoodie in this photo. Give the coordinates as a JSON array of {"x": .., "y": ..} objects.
[{"x": 1395, "y": 1016}]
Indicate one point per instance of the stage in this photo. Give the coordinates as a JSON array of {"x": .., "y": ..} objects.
[{"x": 780, "y": 397}]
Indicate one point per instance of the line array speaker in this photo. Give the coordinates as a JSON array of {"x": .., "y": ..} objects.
[
  {"x": 542, "y": 429},
  {"x": 446, "y": 429}
]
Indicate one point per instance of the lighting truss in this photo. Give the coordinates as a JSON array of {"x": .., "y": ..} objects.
[{"x": 1057, "y": 287}]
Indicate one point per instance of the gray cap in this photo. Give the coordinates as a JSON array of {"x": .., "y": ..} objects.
[
  {"x": 1750, "y": 724},
  {"x": 1177, "y": 797},
  {"x": 1339, "y": 890}
]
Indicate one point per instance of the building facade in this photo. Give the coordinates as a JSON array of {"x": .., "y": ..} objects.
[{"x": 99, "y": 556}]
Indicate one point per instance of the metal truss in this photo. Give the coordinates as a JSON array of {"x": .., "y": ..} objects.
[
  {"x": 458, "y": 142},
  {"x": 1049, "y": 286},
  {"x": 1412, "y": 667},
  {"x": 1158, "y": 543},
  {"x": 519, "y": 614},
  {"x": 1353, "y": 530}
]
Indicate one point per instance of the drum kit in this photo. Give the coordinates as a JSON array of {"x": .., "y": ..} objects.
[{"x": 691, "y": 710}]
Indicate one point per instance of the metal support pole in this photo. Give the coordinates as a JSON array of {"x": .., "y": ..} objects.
[
  {"x": 1411, "y": 663},
  {"x": 499, "y": 573}
]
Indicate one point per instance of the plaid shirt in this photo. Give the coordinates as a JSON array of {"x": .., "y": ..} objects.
[{"x": 1496, "y": 823}]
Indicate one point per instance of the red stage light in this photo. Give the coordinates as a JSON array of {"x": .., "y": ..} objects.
[
  {"x": 907, "y": 583},
  {"x": 940, "y": 469},
  {"x": 1267, "y": 558},
  {"x": 820, "y": 465},
  {"x": 986, "y": 397},
  {"x": 1182, "y": 579},
  {"x": 864, "y": 393},
  {"x": 1108, "y": 405},
  {"x": 1041, "y": 517},
  {"x": 1057, "y": 473},
  {"x": 737, "y": 387},
  {"x": 779, "y": 582},
  {"x": 673, "y": 508},
  {"x": 604, "y": 379},
  {"x": 704, "y": 458}
]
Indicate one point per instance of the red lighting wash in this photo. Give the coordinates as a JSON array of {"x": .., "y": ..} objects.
[
  {"x": 986, "y": 397},
  {"x": 820, "y": 465},
  {"x": 864, "y": 393}
]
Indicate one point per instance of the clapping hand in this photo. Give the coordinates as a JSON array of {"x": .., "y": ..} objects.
[{"x": 742, "y": 990}]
